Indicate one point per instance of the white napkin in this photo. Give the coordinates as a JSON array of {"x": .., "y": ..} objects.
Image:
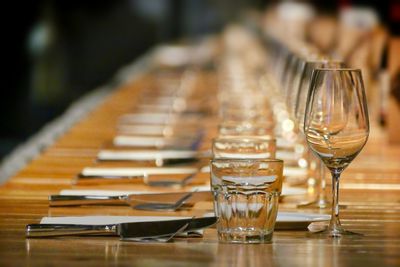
[
  {"x": 144, "y": 129},
  {"x": 147, "y": 118},
  {"x": 98, "y": 171},
  {"x": 139, "y": 141},
  {"x": 145, "y": 154}
]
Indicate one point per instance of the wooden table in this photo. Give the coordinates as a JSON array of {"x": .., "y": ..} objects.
[{"x": 370, "y": 190}]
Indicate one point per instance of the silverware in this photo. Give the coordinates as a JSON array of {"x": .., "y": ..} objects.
[
  {"x": 162, "y": 239},
  {"x": 188, "y": 142},
  {"x": 166, "y": 160},
  {"x": 154, "y": 229},
  {"x": 171, "y": 183},
  {"x": 90, "y": 179},
  {"x": 92, "y": 175},
  {"x": 164, "y": 206},
  {"x": 132, "y": 199}
]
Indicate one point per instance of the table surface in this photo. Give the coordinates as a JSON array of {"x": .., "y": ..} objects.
[{"x": 369, "y": 189}]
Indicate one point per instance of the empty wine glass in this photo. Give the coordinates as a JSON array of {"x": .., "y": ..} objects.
[{"x": 336, "y": 126}]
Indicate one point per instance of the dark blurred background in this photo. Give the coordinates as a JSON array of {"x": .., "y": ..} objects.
[{"x": 56, "y": 50}]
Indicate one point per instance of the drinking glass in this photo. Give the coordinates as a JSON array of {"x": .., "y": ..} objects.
[
  {"x": 336, "y": 126},
  {"x": 244, "y": 147},
  {"x": 321, "y": 200},
  {"x": 245, "y": 128},
  {"x": 246, "y": 196}
]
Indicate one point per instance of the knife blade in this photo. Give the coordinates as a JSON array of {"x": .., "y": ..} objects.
[{"x": 124, "y": 230}]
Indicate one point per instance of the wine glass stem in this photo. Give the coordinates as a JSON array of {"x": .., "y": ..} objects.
[{"x": 334, "y": 224}]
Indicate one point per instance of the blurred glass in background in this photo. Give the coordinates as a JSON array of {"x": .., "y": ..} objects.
[{"x": 56, "y": 50}]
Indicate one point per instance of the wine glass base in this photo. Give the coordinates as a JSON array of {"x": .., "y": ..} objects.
[{"x": 324, "y": 231}]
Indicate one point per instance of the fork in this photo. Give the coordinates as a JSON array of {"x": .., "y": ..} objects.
[
  {"x": 154, "y": 206},
  {"x": 157, "y": 239},
  {"x": 171, "y": 183}
]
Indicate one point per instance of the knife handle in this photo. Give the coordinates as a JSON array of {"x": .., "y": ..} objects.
[
  {"x": 76, "y": 200},
  {"x": 47, "y": 230}
]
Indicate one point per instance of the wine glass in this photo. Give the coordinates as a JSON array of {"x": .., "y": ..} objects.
[{"x": 336, "y": 126}]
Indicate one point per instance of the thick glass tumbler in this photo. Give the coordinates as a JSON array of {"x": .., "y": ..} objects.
[{"x": 246, "y": 196}]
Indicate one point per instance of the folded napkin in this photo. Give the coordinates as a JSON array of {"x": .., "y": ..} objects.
[
  {"x": 151, "y": 130},
  {"x": 147, "y": 118},
  {"x": 157, "y": 118},
  {"x": 153, "y": 141},
  {"x": 99, "y": 171},
  {"x": 146, "y": 154},
  {"x": 139, "y": 141}
]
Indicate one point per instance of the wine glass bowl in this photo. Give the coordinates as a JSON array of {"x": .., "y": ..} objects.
[{"x": 336, "y": 126}]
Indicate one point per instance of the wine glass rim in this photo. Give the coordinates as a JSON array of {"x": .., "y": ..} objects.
[{"x": 338, "y": 69}]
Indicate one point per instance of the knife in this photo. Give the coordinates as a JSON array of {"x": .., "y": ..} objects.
[
  {"x": 130, "y": 199},
  {"x": 161, "y": 157},
  {"x": 124, "y": 230}
]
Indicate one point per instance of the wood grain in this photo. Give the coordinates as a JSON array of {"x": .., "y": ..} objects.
[{"x": 370, "y": 190}]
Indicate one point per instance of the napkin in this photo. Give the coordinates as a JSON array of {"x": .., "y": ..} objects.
[
  {"x": 139, "y": 141},
  {"x": 147, "y": 118},
  {"x": 99, "y": 171},
  {"x": 146, "y": 154},
  {"x": 143, "y": 129}
]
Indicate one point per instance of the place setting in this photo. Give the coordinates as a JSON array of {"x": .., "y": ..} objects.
[{"x": 254, "y": 165}]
